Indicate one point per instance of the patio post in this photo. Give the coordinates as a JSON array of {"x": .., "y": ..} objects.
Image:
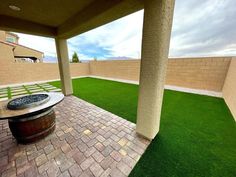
[
  {"x": 157, "y": 24},
  {"x": 64, "y": 66}
]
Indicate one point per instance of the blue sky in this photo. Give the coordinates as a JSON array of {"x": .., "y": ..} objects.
[
  {"x": 200, "y": 28},
  {"x": 81, "y": 45}
]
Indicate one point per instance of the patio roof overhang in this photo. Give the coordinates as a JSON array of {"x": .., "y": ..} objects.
[{"x": 63, "y": 19}]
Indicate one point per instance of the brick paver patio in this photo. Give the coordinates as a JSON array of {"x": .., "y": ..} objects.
[{"x": 88, "y": 141}]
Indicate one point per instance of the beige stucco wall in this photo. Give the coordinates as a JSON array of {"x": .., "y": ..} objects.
[
  {"x": 24, "y": 51},
  {"x": 229, "y": 89},
  {"x": 19, "y": 50},
  {"x": 197, "y": 73},
  {"x": 2, "y": 35},
  {"x": 14, "y": 73},
  {"x": 6, "y": 54}
]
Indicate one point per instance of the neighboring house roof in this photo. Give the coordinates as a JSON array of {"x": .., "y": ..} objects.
[{"x": 14, "y": 45}]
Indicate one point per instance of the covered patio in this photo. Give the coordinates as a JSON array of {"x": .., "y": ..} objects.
[
  {"x": 88, "y": 141},
  {"x": 197, "y": 133},
  {"x": 63, "y": 20}
]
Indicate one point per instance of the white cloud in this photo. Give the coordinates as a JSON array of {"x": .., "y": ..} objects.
[
  {"x": 203, "y": 28},
  {"x": 121, "y": 37}
]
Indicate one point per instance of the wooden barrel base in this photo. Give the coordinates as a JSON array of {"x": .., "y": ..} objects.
[{"x": 33, "y": 128}]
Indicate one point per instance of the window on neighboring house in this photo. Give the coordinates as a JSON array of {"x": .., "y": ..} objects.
[{"x": 10, "y": 39}]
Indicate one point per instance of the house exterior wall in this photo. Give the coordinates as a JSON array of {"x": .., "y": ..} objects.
[
  {"x": 19, "y": 50},
  {"x": 6, "y": 54},
  {"x": 2, "y": 35},
  {"x": 24, "y": 51},
  {"x": 229, "y": 89}
]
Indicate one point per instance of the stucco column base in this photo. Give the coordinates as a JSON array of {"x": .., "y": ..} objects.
[
  {"x": 158, "y": 15},
  {"x": 64, "y": 66}
]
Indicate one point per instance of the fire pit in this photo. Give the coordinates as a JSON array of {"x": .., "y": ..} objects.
[
  {"x": 31, "y": 117},
  {"x": 28, "y": 101}
]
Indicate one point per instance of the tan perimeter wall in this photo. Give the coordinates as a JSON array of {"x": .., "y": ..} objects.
[
  {"x": 14, "y": 73},
  {"x": 229, "y": 90},
  {"x": 196, "y": 73},
  {"x": 6, "y": 54},
  {"x": 118, "y": 69}
]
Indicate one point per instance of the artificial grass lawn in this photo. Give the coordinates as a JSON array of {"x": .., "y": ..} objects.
[
  {"x": 118, "y": 98},
  {"x": 197, "y": 136}
]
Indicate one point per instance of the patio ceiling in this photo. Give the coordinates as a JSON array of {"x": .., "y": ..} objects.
[{"x": 63, "y": 19}]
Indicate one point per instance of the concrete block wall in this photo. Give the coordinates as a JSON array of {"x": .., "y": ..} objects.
[
  {"x": 117, "y": 69},
  {"x": 229, "y": 89},
  {"x": 196, "y": 73},
  {"x": 15, "y": 73}
]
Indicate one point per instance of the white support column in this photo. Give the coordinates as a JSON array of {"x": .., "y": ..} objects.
[
  {"x": 157, "y": 24},
  {"x": 64, "y": 66}
]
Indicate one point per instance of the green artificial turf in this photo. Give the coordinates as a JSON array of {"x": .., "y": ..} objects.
[
  {"x": 197, "y": 136},
  {"x": 118, "y": 98}
]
